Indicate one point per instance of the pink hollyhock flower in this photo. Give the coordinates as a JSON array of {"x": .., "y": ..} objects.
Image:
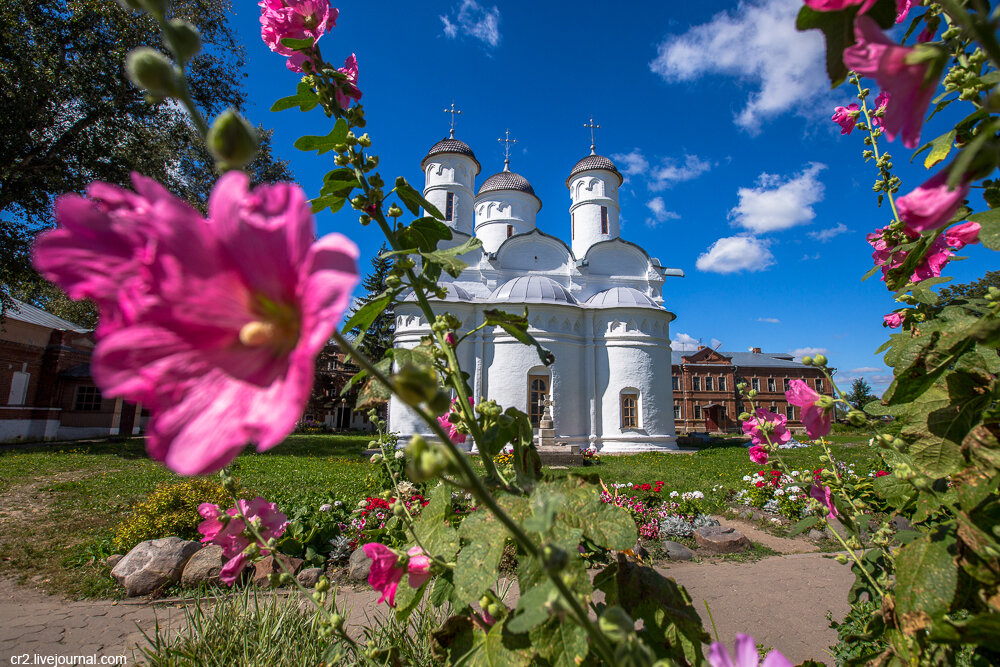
[
  {"x": 212, "y": 323},
  {"x": 893, "y": 320},
  {"x": 234, "y": 536},
  {"x": 348, "y": 90},
  {"x": 934, "y": 261},
  {"x": 932, "y": 204},
  {"x": 758, "y": 455},
  {"x": 877, "y": 56},
  {"x": 454, "y": 434},
  {"x": 837, "y": 5},
  {"x": 927, "y": 34},
  {"x": 825, "y": 497},
  {"x": 846, "y": 117},
  {"x": 815, "y": 418},
  {"x": 385, "y": 575},
  {"x": 779, "y": 435},
  {"x": 879, "y": 111},
  {"x": 962, "y": 235},
  {"x": 902, "y": 9},
  {"x": 746, "y": 655},
  {"x": 295, "y": 19}
]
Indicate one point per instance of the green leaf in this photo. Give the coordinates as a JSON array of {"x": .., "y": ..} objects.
[
  {"x": 989, "y": 222},
  {"x": 562, "y": 642},
  {"x": 926, "y": 575},
  {"x": 838, "y": 33},
  {"x": 448, "y": 257},
  {"x": 940, "y": 148},
  {"x": 373, "y": 392},
  {"x": 304, "y": 98},
  {"x": 424, "y": 234},
  {"x": 323, "y": 202},
  {"x": 533, "y": 608},
  {"x": 414, "y": 200},
  {"x": 367, "y": 313},
  {"x": 498, "y": 648},
  {"x": 432, "y": 527},
  {"x": 602, "y": 523},
  {"x": 956, "y": 172},
  {"x": 408, "y": 598},
  {"x": 476, "y": 567},
  {"x": 323, "y": 144},
  {"x": 339, "y": 182},
  {"x": 517, "y": 327},
  {"x": 443, "y": 589},
  {"x": 803, "y": 525},
  {"x": 297, "y": 44},
  {"x": 897, "y": 492}
]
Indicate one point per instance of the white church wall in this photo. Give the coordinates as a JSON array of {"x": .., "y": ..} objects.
[
  {"x": 452, "y": 172},
  {"x": 534, "y": 252},
  {"x": 590, "y": 191},
  {"x": 496, "y": 210}
]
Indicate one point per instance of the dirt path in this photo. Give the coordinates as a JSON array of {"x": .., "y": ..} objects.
[{"x": 783, "y": 545}]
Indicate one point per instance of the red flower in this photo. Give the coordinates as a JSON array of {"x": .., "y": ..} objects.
[
  {"x": 759, "y": 484},
  {"x": 647, "y": 487},
  {"x": 881, "y": 473}
]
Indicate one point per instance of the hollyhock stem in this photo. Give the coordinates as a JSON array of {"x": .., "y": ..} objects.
[
  {"x": 484, "y": 496},
  {"x": 183, "y": 92},
  {"x": 406, "y": 510},
  {"x": 871, "y": 133}
]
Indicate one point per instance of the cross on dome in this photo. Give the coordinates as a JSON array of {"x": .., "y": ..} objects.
[
  {"x": 454, "y": 112},
  {"x": 507, "y": 142},
  {"x": 592, "y": 127}
]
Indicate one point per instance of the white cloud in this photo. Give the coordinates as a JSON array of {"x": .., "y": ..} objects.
[
  {"x": 769, "y": 320},
  {"x": 470, "y": 19},
  {"x": 778, "y": 203},
  {"x": 803, "y": 351},
  {"x": 684, "y": 343},
  {"x": 808, "y": 258},
  {"x": 670, "y": 172},
  {"x": 867, "y": 369},
  {"x": 715, "y": 343},
  {"x": 757, "y": 42},
  {"x": 736, "y": 253},
  {"x": 825, "y": 235},
  {"x": 635, "y": 163},
  {"x": 659, "y": 211}
]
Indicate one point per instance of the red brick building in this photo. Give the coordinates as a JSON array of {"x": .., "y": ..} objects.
[
  {"x": 705, "y": 394},
  {"x": 46, "y": 391},
  {"x": 326, "y": 405}
]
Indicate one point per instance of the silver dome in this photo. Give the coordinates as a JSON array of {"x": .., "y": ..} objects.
[
  {"x": 507, "y": 180},
  {"x": 595, "y": 162},
  {"x": 449, "y": 145},
  {"x": 621, "y": 296},
  {"x": 532, "y": 289},
  {"x": 455, "y": 293}
]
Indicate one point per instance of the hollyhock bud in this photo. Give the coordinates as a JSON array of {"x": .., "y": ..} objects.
[
  {"x": 232, "y": 140},
  {"x": 152, "y": 71},
  {"x": 183, "y": 38},
  {"x": 819, "y": 360},
  {"x": 962, "y": 235}
]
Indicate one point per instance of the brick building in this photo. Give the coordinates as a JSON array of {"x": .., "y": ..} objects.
[
  {"x": 46, "y": 391},
  {"x": 705, "y": 394},
  {"x": 326, "y": 405}
]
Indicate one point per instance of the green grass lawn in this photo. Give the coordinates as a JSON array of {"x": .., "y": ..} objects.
[{"x": 60, "y": 504}]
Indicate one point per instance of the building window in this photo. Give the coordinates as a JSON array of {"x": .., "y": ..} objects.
[
  {"x": 696, "y": 383},
  {"x": 722, "y": 383},
  {"x": 709, "y": 381},
  {"x": 697, "y": 412},
  {"x": 677, "y": 410},
  {"x": 722, "y": 412},
  {"x": 572, "y": 227},
  {"x": 770, "y": 384},
  {"x": 538, "y": 391},
  {"x": 87, "y": 398},
  {"x": 510, "y": 230},
  {"x": 19, "y": 387},
  {"x": 675, "y": 383},
  {"x": 819, "y": 385},
  {"x": 630, "y": 410},
  {"x": 449, "y": 206},
  {"x": 790, "y": 412},
  {"x": 755, "y": 384},
  {"x": 604, "y": 219},
  {"x": 787, "y": 384}
]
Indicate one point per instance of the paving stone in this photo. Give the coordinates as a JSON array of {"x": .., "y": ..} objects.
[{"x": 721, "y": 539}]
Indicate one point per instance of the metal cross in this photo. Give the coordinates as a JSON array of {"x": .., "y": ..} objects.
[
  {"x": 453, "y": 111},
  {"x": 592, "y": 127},
  {"x": 507, "y": 141}
]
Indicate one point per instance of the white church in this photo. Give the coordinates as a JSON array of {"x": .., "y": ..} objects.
[{"x": 596, "y": 303}]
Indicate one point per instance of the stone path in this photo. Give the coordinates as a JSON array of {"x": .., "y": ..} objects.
[{"x": 781, "y": 601}]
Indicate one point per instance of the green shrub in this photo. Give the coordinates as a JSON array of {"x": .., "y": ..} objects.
[{"x": 171, "y": 509}]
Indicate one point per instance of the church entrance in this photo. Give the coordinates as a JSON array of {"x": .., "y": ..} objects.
[
  {"x": 538, "y": 391},
  {"x": 713, "y": 417}
]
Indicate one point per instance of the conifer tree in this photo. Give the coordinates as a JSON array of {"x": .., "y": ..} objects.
[{"x": 378, "y": 337}]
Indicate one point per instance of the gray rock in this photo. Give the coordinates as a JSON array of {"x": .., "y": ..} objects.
[
  {"x": 816, "y": 535},
  {"x": 309, "y": 576},
  {"x": 901, "y": 523},
  {"x": 677, "y": 551},
  {"x": 203, "y": 567},
  {"x": 153, "y": 564},
  {"x": 721, "y": 540},
  {"x": 113, "y": 560},
  {"x": 746, "y": 514},
  {"x": 360, "y": 565}
]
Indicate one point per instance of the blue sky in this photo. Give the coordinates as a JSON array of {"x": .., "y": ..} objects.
[{"x": 718, "y": 114}]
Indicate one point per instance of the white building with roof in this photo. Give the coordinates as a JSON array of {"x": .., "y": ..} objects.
[{"x": 595, "y": 302}]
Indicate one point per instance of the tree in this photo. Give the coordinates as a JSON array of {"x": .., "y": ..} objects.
[
  {"x": 68, "y": 115},
  {"x": 860, "y": 394},
  {"x": 963, "y": 292},
  {"x": 378, "y": 336}
]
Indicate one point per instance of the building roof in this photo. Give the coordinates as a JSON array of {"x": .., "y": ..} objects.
[
  {"x": 746, "y": 359},
  {"x": 621, "y": 296},
  {"x": 594, "y": 162},
  {"x": 452, "y": 145},
  {"x": 532, "y": 289},
  {"x": 507, "y": 180},
  {"x": 23, "y": 312}
]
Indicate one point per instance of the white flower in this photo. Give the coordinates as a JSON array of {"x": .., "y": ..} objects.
[
  {"x": 794, "y": 489},
  {"x": 779, "y": 492},
  {"x": 338, "y": 503},
  {"x": 697, "y": 495},
  {"x": 795, "y": 473},
  {"x": 674, "y": 494},
  {"x": 325, "y": 507},
  {"x": 747, "y": 478},
  {"x": 399, "y": 454}
]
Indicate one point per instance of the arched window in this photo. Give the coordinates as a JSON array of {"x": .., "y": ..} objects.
[
  {"x": 538, "y": 391},
  {"x": 629, "y": 401},
  {"x": 604, "y": 219},
  {"x": 449, "y": 206}
]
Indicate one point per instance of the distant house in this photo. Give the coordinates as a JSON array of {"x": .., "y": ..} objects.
[
  {"x": 705, "y": 394},
  {"x": 46, "y": 391},
  {"x": 326, "y": 405}
]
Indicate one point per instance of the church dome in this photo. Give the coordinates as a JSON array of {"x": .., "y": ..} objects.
[
  {"x": 507, "y": 180},
  {"x": 595, "y": 162},
  {"x": 451, "y": 145},
  {"x": 621, "y": 296},
  {"x": 532, "y": 289},
  {"x": 455, "y": 293}
]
